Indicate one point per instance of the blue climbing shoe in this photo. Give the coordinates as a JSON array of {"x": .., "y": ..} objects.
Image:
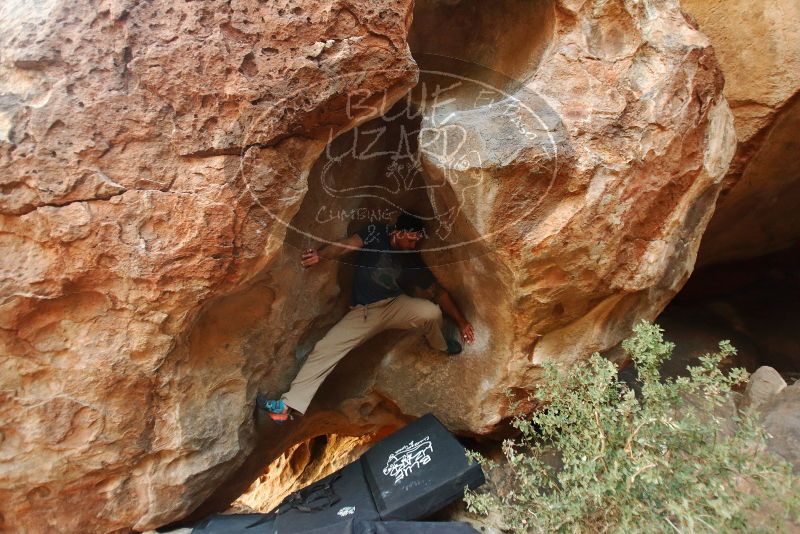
[{"x": 277, "y": 410}]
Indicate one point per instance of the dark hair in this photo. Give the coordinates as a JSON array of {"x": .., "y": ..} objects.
[{"x": 409, "y": 222}]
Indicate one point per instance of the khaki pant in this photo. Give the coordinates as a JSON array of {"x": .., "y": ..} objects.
[{"x": 361, "y": 323}]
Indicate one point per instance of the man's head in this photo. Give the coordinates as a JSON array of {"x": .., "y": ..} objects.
[{"x": 408, "y": 230}]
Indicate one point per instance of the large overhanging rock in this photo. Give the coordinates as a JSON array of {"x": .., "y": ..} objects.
[
  {"x": 581, "y": 194},
  {"x": 124, "y": 130},
  {"x": 758, "y": 46},
  {"x": 153, "y": 156}
]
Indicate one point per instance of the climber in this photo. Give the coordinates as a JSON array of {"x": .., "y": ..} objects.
[{"x": 392, "y": 288}]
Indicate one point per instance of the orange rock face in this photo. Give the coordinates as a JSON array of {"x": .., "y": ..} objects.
[
  {"x": 758, "y": 50},
  {"x": 161, "y": 163},
  {"x": 124, "y": 216}
]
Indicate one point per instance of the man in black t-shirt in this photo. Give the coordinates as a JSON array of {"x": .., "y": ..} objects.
[
  {"x": 392, "y": 288},
  {"x": 382, "y": 271}
]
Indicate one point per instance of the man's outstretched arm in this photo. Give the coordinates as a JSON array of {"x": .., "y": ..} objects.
[
  {"x": 448, "y": 306},
  {"x": 331, "y": 252}
]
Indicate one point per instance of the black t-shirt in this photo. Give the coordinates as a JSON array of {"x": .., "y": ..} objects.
[{"x": 382, "y": 272}]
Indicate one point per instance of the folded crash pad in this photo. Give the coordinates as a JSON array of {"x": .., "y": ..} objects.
[
  {"x": 408, "y": 475},
  {"x": 336, "y": 499},
  {"x": 418, "y": 470},
  {"x": 412, "y": 527},
  {"x": 236, "y": 524},
  {"x": 392, "y": 527}
]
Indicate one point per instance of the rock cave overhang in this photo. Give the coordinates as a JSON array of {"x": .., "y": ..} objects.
[{"x": 495, "y": 57}]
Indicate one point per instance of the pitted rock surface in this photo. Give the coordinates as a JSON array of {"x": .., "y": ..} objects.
[{"x": 148, "y": 151}]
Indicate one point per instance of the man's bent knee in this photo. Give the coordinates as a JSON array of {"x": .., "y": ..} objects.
[{"x": 427, "y": 311}]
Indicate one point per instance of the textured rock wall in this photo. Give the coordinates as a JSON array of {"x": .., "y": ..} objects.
[
  {"x": 125, "y": 128},
  {"x": 149, "y": 151},
  {"x": 608, "y": 224},
  {"x": 758, "y": 45}
]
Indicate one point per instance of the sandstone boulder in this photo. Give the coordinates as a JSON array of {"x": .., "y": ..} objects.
[
  {"x": 605, "y": 224},
  {"x": 123, "y": 128},
  {"x": 763, "y": 385},
  {"x": 781, "y": 419},
  {"x": 162, "y": 163},
  {"x": 757, "y": 47}
]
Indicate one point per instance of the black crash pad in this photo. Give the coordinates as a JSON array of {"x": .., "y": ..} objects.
[
  {"x": 392, "y": 527},
  {"x": 337, "y": 499},
  {"x": 236, "y": 524},
  {"x": 412, "y": 527},
  {"x": 418, "y": 470},
  {"x": 408, "y": 475}
]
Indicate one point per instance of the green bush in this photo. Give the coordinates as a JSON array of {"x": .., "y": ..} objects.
[{"x": 659, "y": 461}]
